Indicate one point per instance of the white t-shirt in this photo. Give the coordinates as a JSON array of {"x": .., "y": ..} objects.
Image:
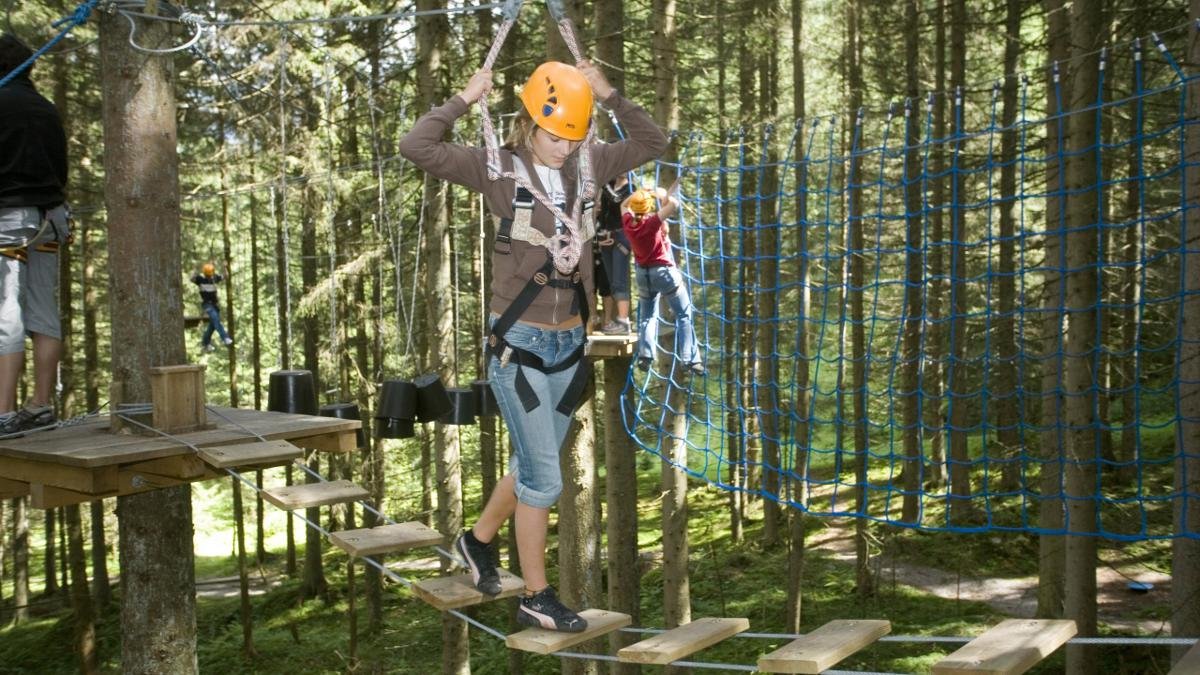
[{"x": 551, "y": 180}]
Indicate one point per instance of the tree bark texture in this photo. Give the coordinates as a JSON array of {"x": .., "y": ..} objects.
[
  {"x": 1080, "y": 357},
  {"x": 1185, "y": 558},
  {"x": 158, "y": 615}
]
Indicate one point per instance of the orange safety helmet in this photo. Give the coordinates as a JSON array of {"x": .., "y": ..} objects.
[
  {"x": 559, "y": 99},
  {"x": 641, "y": 202},
  {"x": 209, "y": 269}
]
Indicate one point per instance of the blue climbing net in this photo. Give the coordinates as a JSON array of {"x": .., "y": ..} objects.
[{"x": 957, "y": 411}]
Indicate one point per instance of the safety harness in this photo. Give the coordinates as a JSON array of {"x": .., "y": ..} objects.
[
  {"x": 49, "y": 221},
  {"x": 520, "y": 228}
]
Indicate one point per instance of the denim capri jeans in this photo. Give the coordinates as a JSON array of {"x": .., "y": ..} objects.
[{"x": 537, "y": 435}]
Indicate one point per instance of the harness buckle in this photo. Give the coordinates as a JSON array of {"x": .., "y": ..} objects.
[{"x": 540, "y": 278}]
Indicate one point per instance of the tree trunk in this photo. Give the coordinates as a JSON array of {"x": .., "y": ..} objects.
[
  {"x": 1008, "y": 435},
  {"x": 81, "y": 598},
  {"x": 578, "y": 527},
  {"x": 1185, "y": 554},
  {"x": 1052, "y": 548},
  {"x": 101, "y": 587},
  {"x": 20, "y": 556},
  {"x": 620, "y": 496},
  {"x": 432, "y": 34},
  {"x": 50, "y": 557},
  {"x": 1080, "y": 352},
  {"x": 914, "y": 267},
  {"x": 158, "y": 609},
  {"x": 244, "y": 614},
  {"x": 766, "y": 364},
  {"x": 799, "y": 490},
  {"x": 677, "y": 609},
  {"x": 959, "y": 505},
  {"x": 231, "y": 282},
  {"x": 934, "y": 422},
  {"x": 856, "y": 260}
]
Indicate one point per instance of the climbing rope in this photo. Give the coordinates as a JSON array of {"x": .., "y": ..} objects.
[
  {"x": 79, "y": 16},
  {"x": 564, "y": 248}
]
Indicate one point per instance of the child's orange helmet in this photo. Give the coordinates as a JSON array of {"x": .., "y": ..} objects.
[
  {"x": 209, "y": 269},
  {"x": 641, "y": 202},
  {"x": 559, "y": 99}
]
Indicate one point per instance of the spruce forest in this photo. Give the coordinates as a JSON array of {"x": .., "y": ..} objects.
[{"x": 946, "y": 291}]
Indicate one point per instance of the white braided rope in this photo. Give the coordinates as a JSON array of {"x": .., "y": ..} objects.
[{"x": 565, "y": 248}]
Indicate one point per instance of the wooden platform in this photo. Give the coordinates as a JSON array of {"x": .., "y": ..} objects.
[
  {"x": 679, "y": 642},
  {"x": 821, "y": 649},
  {"x": 603, "y": 346},
  {"x": 1011, "y": 647},
  {"x": 1189, "y": 664},
  {"x": 386, "y": 539},
  {"x": 84, "y": 462},
  {"x": 457, "y": 591},
  {"x": 542, "y": 641}
]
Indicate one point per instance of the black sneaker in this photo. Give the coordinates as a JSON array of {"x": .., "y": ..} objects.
[
  {"x": 27, "y": 419},
  {"x": 643, "y": 363},
  {"x": 543, "y": 610},
  {"x": 481, "y": 561}
]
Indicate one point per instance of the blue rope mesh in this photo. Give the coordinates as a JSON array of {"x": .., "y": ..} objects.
[{"x": 763, "y": 242}]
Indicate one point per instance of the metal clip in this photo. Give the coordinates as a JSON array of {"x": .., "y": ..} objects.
[{"x": 505, "y": 356}]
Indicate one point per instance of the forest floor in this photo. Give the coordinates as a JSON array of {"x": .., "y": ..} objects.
[{"x": 1121, "y": 609}]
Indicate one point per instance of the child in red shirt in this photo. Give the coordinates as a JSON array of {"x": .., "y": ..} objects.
[{"x": 657, "y": 275}]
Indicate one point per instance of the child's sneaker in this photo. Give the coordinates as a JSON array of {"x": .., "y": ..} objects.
[
  {"x": 697, "y": 369},
  {"x": 481, "y": 562},
  {"x": 207, "y": 348},
  {"x": 543, "y": 610},
  {"x": 643, "y": 363},
  {"x": 228, "y": 341},
  {"x": 616, "y": 327}
]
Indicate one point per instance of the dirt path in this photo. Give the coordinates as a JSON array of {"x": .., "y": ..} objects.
[{"x": 1117, "y": 606}]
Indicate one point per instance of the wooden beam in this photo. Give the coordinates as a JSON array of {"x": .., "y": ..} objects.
[
  {"x": 13, "y": 488},
  {"x": 292, "y": 497},
  {"x": 542, "y": 641},
  {"x": 386, "y": 539},
  {"x": 681, "y": 641},
  {"x": 97, "y": 480},
  {"x": 183, "y": 467},
  {"x": 256, "y": 454},
  {"x": 1011, "y": 647},
  {"x": 337, "y": 441},
  {"x": 1189, "y": 664},
  {"x": 457, "y": 591},
  {"x": 824, "y": 647},
  {"x": 130, "y": 483}
]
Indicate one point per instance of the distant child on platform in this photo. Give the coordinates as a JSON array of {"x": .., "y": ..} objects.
[{"x": 657, "y": 275}]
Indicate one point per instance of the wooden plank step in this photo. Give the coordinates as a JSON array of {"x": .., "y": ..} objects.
[
  {"x": 681, "y": 641},
  {"x": 542, "y": 641},
  {"x": 1189, "y": 664},
  {"x": 1013, "y": 646},
  {"x": 292, "y": 497},
  {"x": 261, "y": 453},
  {"x": 457, "y": 591},
  {"x": 385, "y": 539},
  {"x": 824, "y": 647}
]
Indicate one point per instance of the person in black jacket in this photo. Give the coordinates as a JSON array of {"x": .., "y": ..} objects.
[
  {"x": 206, "y": 281},
  {"x": 33, "y": 222}
]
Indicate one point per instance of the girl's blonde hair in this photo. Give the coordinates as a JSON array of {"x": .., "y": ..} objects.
[{"x": 521, "y": 134}]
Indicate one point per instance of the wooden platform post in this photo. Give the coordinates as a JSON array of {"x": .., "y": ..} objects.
[{"x": 177, "y": 393}]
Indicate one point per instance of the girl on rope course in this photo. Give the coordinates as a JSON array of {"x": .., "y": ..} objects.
[
  {"x": 657, "y": 276},
  {"x": 542, "y": 291}
]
